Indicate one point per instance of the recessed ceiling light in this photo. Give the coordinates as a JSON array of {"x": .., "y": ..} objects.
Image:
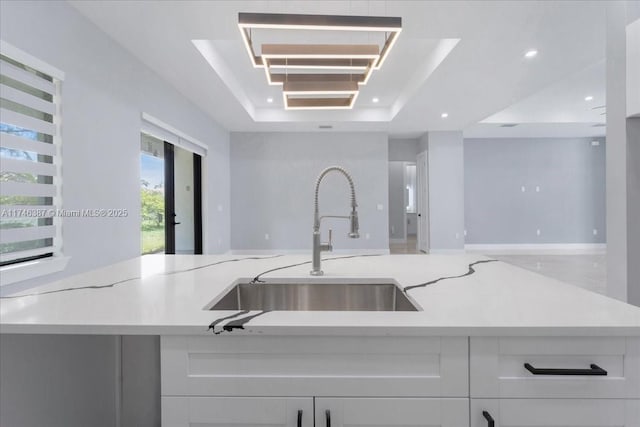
[
  {"x": 531, "y": 53},
  {"x": 444, "y": 115},
  {"x": 270, "y": 100},
  {"x": 588, "y": 98},
  {"x": 375, "y": 100}
]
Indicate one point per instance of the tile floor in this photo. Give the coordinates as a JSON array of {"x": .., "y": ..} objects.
[{"x": 587, "y": 271}]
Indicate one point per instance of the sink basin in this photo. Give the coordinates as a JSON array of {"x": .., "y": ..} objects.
[{"x": 313, "y": 296}]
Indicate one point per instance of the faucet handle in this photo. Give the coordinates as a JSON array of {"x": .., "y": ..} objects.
[{"x": 329, "y": 246}]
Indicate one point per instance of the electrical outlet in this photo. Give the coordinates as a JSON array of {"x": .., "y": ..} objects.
[
  {"x": 380, "y": 206},
  {"x": 538, "y": 232},
  {"x": 266, "y": 236},
  {"x": 523, "y": 189},
  {"x": 219, "y": 208},
  {"x": 595, "y": 143},
  {"x": 595, "y": 232},
  {"x": 367, "y": 236},
  {"x": 537, "y": 189},
  {"x": 465, "y": 233},
  {"x": 457, "y": 236}
]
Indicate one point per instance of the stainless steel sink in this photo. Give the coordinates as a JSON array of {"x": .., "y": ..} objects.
[{"x": 314, "y": 296}]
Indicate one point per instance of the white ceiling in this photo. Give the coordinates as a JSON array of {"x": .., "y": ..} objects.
[{"x": 460, "y": 57}]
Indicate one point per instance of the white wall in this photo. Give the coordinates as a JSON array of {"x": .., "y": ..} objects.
[
  {"x": 446, "y": 190},
  {"x": 105, "y": 91},
  {"x": 273, "y": 178}
]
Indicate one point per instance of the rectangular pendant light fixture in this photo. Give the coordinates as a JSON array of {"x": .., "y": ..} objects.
[{"x": 353, "y": 63}]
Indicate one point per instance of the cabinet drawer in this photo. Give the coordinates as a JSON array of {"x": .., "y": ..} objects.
[
  {"x": 556, "y": 412},
  {"x": 391, "y": 412},
  {"x": 237, "y": 411},
  {"x": 314, "y": 366},
  {"x": 557, "y": 367}
]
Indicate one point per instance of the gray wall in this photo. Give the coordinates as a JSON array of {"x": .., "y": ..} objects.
[
  {"x": 272, "y": 183},
  {"x": 140, "y": 389},
  {"x": 397, "y": 225},
  {"x": 105, "y": 91},
  {"x": 57, "y": 381},
  {"x": 446, "y": 190},
  {"x": 570, "y": 174},
  {"x": 404, "y": 150}
]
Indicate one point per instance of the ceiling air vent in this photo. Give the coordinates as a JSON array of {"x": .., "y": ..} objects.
[
  {"x": 508, "y": 125},
  {"x": 599, "y": 125},
  {"x": 325, "y": 127}
]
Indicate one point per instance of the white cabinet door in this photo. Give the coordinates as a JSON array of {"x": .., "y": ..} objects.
[
  {"x": 391, "y": 412},
  {"x": 556, "y": 412},
  {"x": 237, "y": 412}
]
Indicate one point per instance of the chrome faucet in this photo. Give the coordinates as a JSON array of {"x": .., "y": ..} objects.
[{"x": 318, "y": 247}]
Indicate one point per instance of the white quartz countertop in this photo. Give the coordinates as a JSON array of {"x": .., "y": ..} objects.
[{"x": 167, "y": 294}]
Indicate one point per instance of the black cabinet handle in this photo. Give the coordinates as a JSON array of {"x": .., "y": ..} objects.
[
  {"x": 327, "y": 414},
  {"x": 487, "y": 416},
  {"x": 299, "y": 417},
  {"x": 593, "y": 370}
]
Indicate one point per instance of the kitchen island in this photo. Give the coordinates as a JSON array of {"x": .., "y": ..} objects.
[{"x": 491, "y": 342}]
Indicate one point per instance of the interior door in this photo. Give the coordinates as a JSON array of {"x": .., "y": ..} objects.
[{"x": 422, "y": 193}]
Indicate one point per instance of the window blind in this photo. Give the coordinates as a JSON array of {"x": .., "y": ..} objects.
[{"x": 29, "y": 162}]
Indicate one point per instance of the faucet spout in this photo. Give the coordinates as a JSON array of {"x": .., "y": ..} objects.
[{"x": 318, "y": 247}]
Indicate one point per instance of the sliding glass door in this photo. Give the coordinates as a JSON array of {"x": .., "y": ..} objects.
[{"x": 171, "y": 198}]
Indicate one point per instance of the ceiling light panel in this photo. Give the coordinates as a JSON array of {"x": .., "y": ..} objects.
[{"x": 314, "y": 76}]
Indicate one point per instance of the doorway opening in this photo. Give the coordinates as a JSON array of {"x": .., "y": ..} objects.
[
  {"x": 403, "y": 203},
  {"x": 171, "y": 198}
]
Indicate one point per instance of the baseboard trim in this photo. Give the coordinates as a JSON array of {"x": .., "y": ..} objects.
[
  {"x": 308, "y": 252},
  {"x": 538, "y": 249}
]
